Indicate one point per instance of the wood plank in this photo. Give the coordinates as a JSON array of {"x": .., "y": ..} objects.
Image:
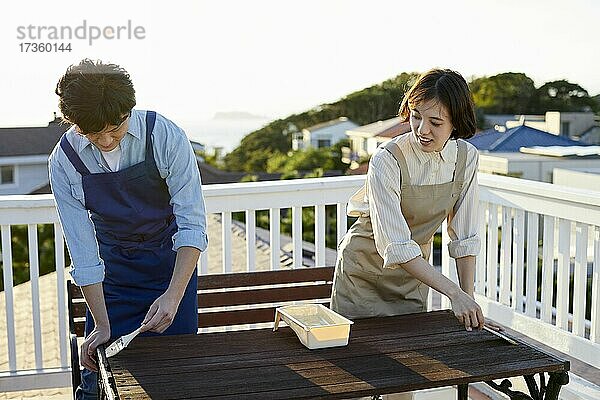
[
  {"x": 236, "y": 317},
  {"x": 74, "y": 290},
  {"x": 79, "y": 328},
  {"x": 440, "y": 358},
  {"x": 78, "y": 309},
  {"x": 281, "y": 350},
  {"x": 364, "y": 369},
  {"x": 390, "y": 375},
  {"x": 261, "y": 296},
  {"x": 220, "y": 281},
  {"x": 285, "y": 347}
]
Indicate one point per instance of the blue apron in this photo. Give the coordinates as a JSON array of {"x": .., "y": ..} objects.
[{"x": 134, "y": 224}]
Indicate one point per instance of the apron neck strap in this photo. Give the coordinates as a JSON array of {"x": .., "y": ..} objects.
[
  {"x": 72, "y": 156},
  {"x": 150, "y": 120},
  {"x": 394, "y": 150},
  {"x": 461, "y": 162}
]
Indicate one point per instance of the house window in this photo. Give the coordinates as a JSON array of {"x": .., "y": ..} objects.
[
  {"x": 7, "y": 174},
  {"x": 323, "y": 143}
]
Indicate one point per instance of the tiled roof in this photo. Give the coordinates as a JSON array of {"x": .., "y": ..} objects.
[
  {"x": 513, "y": 139},
  {"x": 30, "y": 141}
]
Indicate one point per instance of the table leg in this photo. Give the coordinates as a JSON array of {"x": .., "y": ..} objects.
[
  {"x": 549, "y": 391},
  {"x": 463, "y": 391},
  {"x": 555, "y": 383}
]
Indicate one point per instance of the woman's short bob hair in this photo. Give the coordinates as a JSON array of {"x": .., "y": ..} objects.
[{"x": 451, "y": 90}]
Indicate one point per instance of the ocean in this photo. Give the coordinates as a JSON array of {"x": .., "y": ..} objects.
[{"x": 225, "y": 133}]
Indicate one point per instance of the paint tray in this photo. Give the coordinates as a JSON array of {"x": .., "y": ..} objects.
[{"x": 315, "y": 325}]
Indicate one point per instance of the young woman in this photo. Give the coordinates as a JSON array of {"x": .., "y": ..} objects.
[{"x": 414, "y": 182}]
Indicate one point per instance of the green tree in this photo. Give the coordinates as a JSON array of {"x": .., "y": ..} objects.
[
  {"x": 311, "y": 159},
  {"x": 596, "y": 106},
  {"x": 506, "y": 93},
  {"x": 564, "y": 96}
]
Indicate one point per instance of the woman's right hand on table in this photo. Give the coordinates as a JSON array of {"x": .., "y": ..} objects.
[{"x": 467, "y": 311}]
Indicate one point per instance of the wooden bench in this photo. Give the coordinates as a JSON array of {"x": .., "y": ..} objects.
[{"x": 219, "y": 298}]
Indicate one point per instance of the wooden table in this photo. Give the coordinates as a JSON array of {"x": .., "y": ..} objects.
[{"x": 384, "y": 355}]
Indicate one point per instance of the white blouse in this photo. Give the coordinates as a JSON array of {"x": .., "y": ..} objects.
[{"x": 379, "y": 199}]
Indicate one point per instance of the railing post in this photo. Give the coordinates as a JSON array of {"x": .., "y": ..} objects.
[
  {"x": 547, "y": 268},
  {"x": 532, "y": 264},
  {"x": 226, "y": 241},
  {"x": 320, "y": 223},
  {"x": 492, "y": 253},
  {"x": 274, "y": 237},
  {"x": 562, "y": 275},
  {"x": 297, "y": 236},
  {"x": 7, "y": 272},
  {"x": 34, "y": 277},
  {"x": 250, "y": 240},
  {"x": 595, "y": 316},
  {"x": 518, "y": 252}
]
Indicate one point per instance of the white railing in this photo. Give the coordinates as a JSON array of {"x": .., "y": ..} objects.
[
  {"x": 222, "y": 199},
  {"x": 570, "y": 235},
  {"x": 505, "y": 287}
]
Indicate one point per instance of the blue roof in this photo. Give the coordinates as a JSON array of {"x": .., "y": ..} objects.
[{"x": 521, "y": 136}]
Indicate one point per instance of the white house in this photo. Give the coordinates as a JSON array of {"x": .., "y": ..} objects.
[
  {"x": 24, "y": 157},
  {"x": 569, "y": 124},
  {"x": 540, "y": 166},
  {"x": 324, "y": 134},
  {"x": 365, "y": 139},
  {"x": 581, "y": 178}
]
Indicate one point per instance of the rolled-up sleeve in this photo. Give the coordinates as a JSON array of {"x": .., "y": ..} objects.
[
  {"x": 390, "y": 229},
  {"x": 183, "y": 181},
  {"x": 87, "y": 267},
  {"x": 463, "y": 227}
]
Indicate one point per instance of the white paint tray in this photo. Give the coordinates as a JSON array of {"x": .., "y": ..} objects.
[{"x": 315, "y": 325}]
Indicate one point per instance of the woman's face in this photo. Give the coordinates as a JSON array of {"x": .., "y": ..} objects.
[{"x": 431, "y": 124}]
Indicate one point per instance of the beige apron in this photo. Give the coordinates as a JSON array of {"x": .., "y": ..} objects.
[{"x": 361, "y": 286}]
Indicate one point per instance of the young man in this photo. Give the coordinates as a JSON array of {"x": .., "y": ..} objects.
[{"x": 129, "y": 198}]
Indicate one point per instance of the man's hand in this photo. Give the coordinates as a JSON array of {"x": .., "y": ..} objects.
[
  {"x": 161, "y": 313},
  {"x": 98, "y": 336},
  {"x": 467, "y": 311}
]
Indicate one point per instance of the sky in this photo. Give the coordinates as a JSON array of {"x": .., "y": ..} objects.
[{"x": 277, "y": 57}]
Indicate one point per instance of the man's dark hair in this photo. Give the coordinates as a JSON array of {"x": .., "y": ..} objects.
[
  {"x": 94, "y": 95},
  {"x": 452, "y": 91}
]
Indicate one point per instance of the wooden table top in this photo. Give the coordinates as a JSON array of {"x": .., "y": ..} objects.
[{"x": 384, "y": 355}]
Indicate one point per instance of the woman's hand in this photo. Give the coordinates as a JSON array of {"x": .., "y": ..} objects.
[
  {"x": 494, "y": 326},
  {"x": 467, "y": 311},
  {"x": 100, "y": 335}
]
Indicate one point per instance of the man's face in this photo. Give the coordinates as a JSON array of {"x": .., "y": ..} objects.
[{"x": 109, "y": 138}]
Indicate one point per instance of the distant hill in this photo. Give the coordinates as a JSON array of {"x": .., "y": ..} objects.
[{"x": 235, "y": 115}]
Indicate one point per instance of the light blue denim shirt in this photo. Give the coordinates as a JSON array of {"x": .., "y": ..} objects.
[{"x": 176, "y": 164}]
